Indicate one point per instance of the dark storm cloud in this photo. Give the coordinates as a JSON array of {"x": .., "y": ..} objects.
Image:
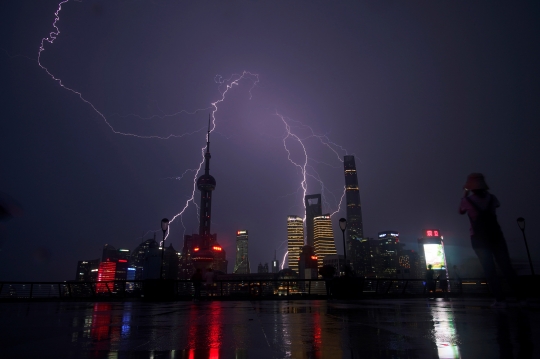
[{"x": 422, "y": 94}]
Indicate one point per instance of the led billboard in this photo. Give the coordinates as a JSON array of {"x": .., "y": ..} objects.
[{"x": 434, "y": 253}]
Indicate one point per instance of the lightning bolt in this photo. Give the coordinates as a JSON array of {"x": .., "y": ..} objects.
[
  {"x": 230, "y": 83},
  {"x": 284, "y": 256},
  {"x": 305, "y": 165}
]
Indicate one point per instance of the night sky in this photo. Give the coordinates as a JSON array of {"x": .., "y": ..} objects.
[{"x": 421, "y": 93}]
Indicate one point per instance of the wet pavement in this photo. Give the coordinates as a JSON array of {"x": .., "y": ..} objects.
[{"x": 406, "y": 328}]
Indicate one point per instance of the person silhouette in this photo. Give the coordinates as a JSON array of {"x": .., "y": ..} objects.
[{"x": 487, "y": 238}]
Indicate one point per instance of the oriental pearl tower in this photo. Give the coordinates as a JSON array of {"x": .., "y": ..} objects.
[
  {"x": 208, "y": 254},
  {"x": 206, "y": 184}
]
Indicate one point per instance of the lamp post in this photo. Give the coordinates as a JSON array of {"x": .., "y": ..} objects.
[
  {"x": 343, "y": 226},
  {"x": 521, "y": 225},
  {"x": 164, "y": 228}
]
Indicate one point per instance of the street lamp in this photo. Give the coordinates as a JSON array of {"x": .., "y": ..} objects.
[
  {"x": 164, "y": 228},
  {"x": 521, "y": 225},
  {"x": 343, "y": 226}
]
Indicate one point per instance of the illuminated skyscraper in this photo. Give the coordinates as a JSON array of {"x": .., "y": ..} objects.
[
  {"x": 242, "y": 261},
  {"x": 295, "y": 240},
  {"x": 355, "y": 227},
  {"x": 323, "y": 238},
  {"x": 106, "y": 276},
  {"x": 313, "y": 209}
]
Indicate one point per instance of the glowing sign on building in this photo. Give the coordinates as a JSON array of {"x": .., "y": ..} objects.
[
  {"x": 434, "y": 253},
  {"x": 432, "y": 233}
]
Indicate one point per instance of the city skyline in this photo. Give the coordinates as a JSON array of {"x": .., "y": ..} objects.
[{"x": 420, "y": 94}]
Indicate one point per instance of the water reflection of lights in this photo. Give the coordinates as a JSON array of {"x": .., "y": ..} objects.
[
  {"x": 205, "y": 332},
  {"x": 126, "y": 320},
  {"x": 101, "y": 320},
  {"x": 445, "y": 334}
]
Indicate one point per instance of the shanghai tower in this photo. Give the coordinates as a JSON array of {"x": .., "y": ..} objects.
[{"x": 355, "y": 227}]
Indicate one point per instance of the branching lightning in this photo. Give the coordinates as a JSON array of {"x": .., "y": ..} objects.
[{"x": 225, "y": 85}]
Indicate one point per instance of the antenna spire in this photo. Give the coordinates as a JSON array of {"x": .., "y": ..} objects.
[{"x": 207, "y": 155}]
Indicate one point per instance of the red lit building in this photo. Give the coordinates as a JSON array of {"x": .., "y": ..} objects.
[{"x": 106, "y": 273}]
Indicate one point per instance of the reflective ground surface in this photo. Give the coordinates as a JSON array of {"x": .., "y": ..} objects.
[{"x": 408, "y": 328}]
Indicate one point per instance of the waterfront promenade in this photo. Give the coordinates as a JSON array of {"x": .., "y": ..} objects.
[{"x": 377, "y": 328}]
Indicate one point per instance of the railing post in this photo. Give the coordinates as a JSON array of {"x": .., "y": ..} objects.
[
  {"x": 59, "y": 291},
  {"x": 288, "y": 281},
  {"x": 69, "y": 290},
  {"x": 221, "y": 288},
  {"x": 31, "y": 289},
  {"x": 309, "y": 288}
]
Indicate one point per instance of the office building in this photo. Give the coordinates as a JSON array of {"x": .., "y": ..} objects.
[
  {"x": 106, "y": 277},
  {"x": 110, "y": 254},
  {"x": 262, "y": 268},
  {"x": 356, "y": 252},
  {"x": 295, "y": 240},
  {"x": 170, "y": 263},
  {"x": 242, "y": 261},
  {"x": 323, "y": 235},
  {"x": 313, "y": 206},
  {"x": 385, "y": 250},
  {"x": 87, "y": 270},
  {"x": 139, "y": 254}
]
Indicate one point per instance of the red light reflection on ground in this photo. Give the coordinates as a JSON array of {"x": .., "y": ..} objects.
[
  {"x": 101, "y": 320},
  {"x": 205, "y": 332}
]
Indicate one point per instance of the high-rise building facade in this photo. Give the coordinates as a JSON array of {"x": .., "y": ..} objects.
[
  {"x": 241, "y": 265},
  {"x": 295, "y": 240},
  {"x": 355, "y": 227},
  {"x": 262, "y": 268},
  {"x": 110, "y": 254},
  {"x": 323, "y": 235},
  {"x": 106, "y": 276},
  {"x": 87, "y": 270},
  {"x": 313, "y": 206},
  {"x": 385, "y": 251},
  {"x": 139, "y": 254}
]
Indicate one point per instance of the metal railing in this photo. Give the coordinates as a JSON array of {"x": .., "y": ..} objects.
[{"x": 237, "y": 289}]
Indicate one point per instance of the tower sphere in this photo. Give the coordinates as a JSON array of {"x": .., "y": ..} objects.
[{"x": 206, "y": 183}]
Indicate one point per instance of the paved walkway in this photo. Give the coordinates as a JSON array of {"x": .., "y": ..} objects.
[{"x": 415, "y": 328}]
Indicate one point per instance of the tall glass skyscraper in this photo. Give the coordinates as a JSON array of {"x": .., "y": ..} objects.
[
  {"x": 313, "y": 209},
  {"x": 241, "y": 265},
  {"x": 323, "y": 238},
  {"x": 355, "y": 226},
  {"x": 295, "y": 240}
]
